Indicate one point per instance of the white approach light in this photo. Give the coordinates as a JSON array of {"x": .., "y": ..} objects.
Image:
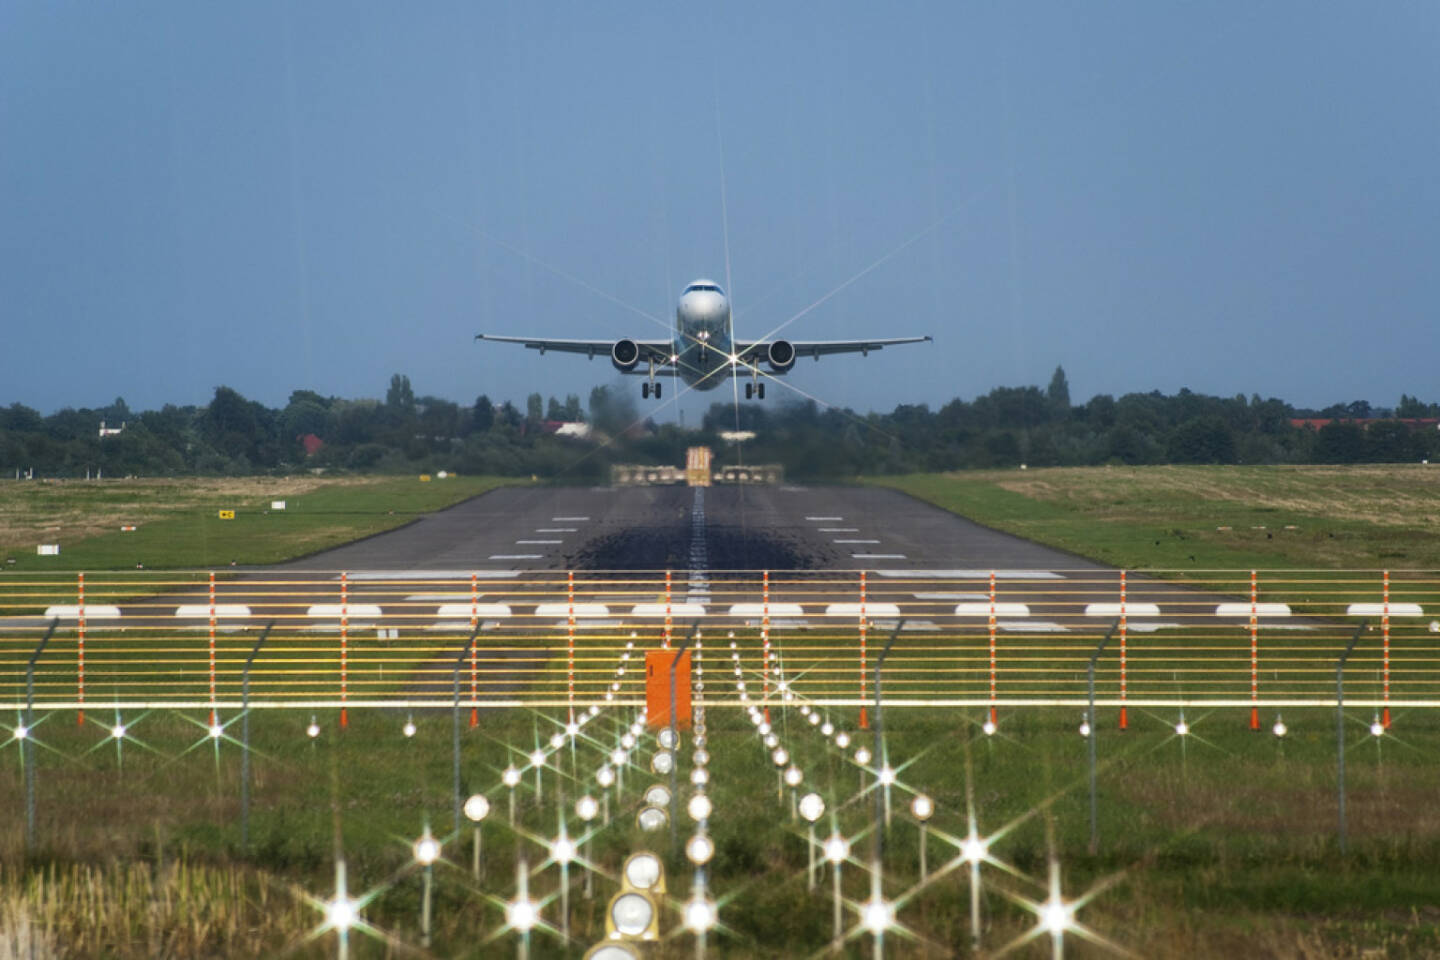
[
  {"x": 837, "y": 848},
  {"x": 340, "y": 913},
  {"x": 989, "y": 727},
  {"x": 409, "y": 728},
  {"x": 642, "y": 871},
  {"x": 117, "y": 731},
  {"x": 21, "y": 732},
  {"x": 537, "y": 758},
  {"x": 1377, "y": 729},
  {"x": 557, "y": 741},
  {"x": 699, "y": 914},
  {"x": 594, "y": 710},
  {"x": 814, "y": 719},
  {"x": 877, "y": 916},
  {"x": 510, "y": 777},
  {"x": 922, "y": 807},
  {"x": 652, "y": 818},
  {"x": 619, "y": 757},
  {"x": 887, "y": 775},
  {"x": 842, "y": 739},
  {"x": 662, "y": 762},
  {"x": 477, "y": 808},
  {"x": 699, "y": 849},
  {"x": 631, "y": 914},
  {"x": 793, "y": 776},
  {"x": 764, "y": 728},
  {"x": 699, "y": 807},
  {"x": 780, "y": 756},
  {"x": 572, "y": 728},
  {"x": 521, "y": 914},
  {"x": 668, "y": 738},
  {"x": 605, "y": 776},
  {"x": 701, "y": 758},
  {"x": 973, "y": 849},
  {"x": 1182, "y": 728},
  {"x": 313, "y": 730},
  {"x": 216, "y": 731},
  {"x": 699, "y": 776},
  {"x": 804, "y": 710},
  {"x": 862, "y": 756},
  {"x": 1280, "y": 729},
  {"x": 658, "y": 795},
  {"x": 427, "y": 850},
  {"x": 771, "y": 741},
  {"x": 586, "y": 808},
  {"x": 628, "y": 741},
  {"x": 1084, "y": 728},
  {"x": 562, "y": 850},
  {"x": 812, "y": 807},
  {"x": 827, "y": 728},
  {"x": 1056, "y": 916}
]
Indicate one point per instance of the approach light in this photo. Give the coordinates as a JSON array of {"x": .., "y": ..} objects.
[
  {"x": 699, "y": 807},
  {"x": 511, "y": 777},
  {"x": 619, "y": 757},
  {"x": 699, "y": 776},
  {"x": 118, "y": 731},
  {"x": 827, "y": 728},
  {"x": 793, "y": 776},
  {"x": 409, "y": 728},
  {"x": 1280, "y": 729},
  {"x": 700, "y": 758},
  {"x": 1056, "y": 916},
  {"x": 973, "y": 849},
  {"x": 340, "y": 913},
  {"x": 663, "y": 762},
  {"x": 572, "y": 728},
  {"x": 923, "y": 807},
  {"x": 643, "y": 871},
  {"x": 812, "y": 807},
  {"x": 804, "y": 710},
  {"x": 562, "y": 850},
  {"x": 699, "y": 849},
  {"x": 837, "y": 848},
  {"x": 658, "y": 795},
  {"x": 699, "y": 914},
  {"x": 877, "y": 916},
  {"x": 650, "y": 819},
  {"x": 887, "y": 775},
  {"x": 313, "y": 730},
  {"x": 586, "y": 808},
  {"x": 1182, "y": 728},
  {"x": 537, "y": 758},
  {"x": 668, "y": 738},
  {"x": 216, "y": 731},
  {"x": 627, "y": 741},
  {"x": 556, "y": 741},
  {"x": 611, "y": 951},
  {"x": 426, "y": 849},
  {"x": 842, "y": 739},
  {"x": 521, "y": 914},
  {"x": 1084, "y": 728},
  {"x": 862, "y": 756},
  {"x": 780, "y": 756},
  {"x": 605, "y": 776},
  {"x": 1377, "y": 729},
  {"x": 631, "y": 914},
  {"x": 989, "y": 727},
  {"x": 477, "y": 808},
  {"x": 21, "y": 732},
  {"x": 594, "y": 710},
  {"x": 771, "y": 741},
  {"x": 814, "y": 719},
  {"x": 783, "y": 685},
  {"x": 764, "y": 727}
]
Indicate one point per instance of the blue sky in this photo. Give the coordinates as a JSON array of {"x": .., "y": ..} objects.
[{"x": 1234, "y": 198}]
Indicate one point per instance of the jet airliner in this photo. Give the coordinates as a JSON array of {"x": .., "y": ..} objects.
[{"x": 704, "y": 351}]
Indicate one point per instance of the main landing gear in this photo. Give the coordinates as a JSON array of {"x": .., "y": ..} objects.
[
  {"x": 755, "y": 390},
  {"x": 646, "y": 389}
]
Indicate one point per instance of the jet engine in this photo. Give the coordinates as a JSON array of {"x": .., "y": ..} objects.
[
  {"x": 625, "y": 354},
  {"x": 780, "y": 355}
]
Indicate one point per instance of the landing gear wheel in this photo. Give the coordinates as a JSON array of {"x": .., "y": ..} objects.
[
  {"x": 749, "y": 390},
  {"x": 657, "y": 391},
  {"x": 760, "y": 390},
  {"x": 645, "y": 391}
]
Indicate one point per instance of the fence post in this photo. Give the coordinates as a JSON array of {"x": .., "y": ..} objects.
[
  {"x": 26, "y": 750},
  {"x": 80, "y": 651},
  {"x": 864, "y": 720},
  {"x": 1340, "y": 729},
  {"x": 244, "y": 736}
]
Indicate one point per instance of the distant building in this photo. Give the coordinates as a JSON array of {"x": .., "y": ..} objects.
[
  {"x": 567, "y": 428},
  {"x": 111, "y": 431},
  {"x": 311, "y": 443},
  {"x": 1364, "y": 423}
]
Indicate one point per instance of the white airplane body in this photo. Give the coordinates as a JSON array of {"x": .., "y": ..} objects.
[{"x": 704, "y": 351}]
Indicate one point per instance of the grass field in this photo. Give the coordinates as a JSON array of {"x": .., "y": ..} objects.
[
  {"x": 1174, "y": 518},
  {"x": 179, "y": 527}
]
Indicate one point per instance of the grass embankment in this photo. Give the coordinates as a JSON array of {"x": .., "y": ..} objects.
[
  {"x": 179, "y": 527},
  {"x": 1178, "y": 518},
  {"x": 1218, "y": 844}
]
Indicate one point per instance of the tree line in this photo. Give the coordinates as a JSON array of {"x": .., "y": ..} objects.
[{"x": 403, "y": 433}]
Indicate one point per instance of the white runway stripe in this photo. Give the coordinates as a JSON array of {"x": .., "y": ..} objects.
[{"x": 516, "y": 556}]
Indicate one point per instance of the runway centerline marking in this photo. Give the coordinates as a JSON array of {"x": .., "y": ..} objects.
[
  {"x": 527, "y": 543},
  {"x": 839, "y": 529},
  {"x": 557, "y": 529},
  {"x": 878, "y": 556},
  {"x": 569, "y": 519},
  {"x": 516, "y": 556},
  {"x": 856, "y": 541},
  {"x": 824, "y": 519},
  {"x": 970, "y": 574}
]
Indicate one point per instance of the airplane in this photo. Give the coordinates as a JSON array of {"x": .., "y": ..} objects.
[{"x": 704, "y": 350}]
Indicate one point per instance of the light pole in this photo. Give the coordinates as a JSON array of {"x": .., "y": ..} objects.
[{"x": 477, "y": 808}]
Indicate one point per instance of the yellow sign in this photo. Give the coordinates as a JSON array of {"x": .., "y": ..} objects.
[
  {"x": 424, "y": 478},
  {"x": 227, "y": 514}
]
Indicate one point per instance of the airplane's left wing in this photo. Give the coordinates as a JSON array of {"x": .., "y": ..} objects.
[{"x": 644, "y": 350}]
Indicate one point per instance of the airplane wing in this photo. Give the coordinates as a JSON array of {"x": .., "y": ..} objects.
[
  {"x": 657, "y": 350},
  {"x": 755, "y": 350}
]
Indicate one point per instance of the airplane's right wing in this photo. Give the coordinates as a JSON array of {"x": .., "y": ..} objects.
[
  {"x": 626, "y": 354},
  {"x": 783, "y": 353}
]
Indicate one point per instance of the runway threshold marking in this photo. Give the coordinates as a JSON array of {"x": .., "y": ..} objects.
[{"x": 557, "y": 529}]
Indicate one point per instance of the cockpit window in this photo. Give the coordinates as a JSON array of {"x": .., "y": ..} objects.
[{"x": 702, "y": 286}]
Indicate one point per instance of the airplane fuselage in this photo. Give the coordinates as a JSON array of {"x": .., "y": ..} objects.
[{"x": 704, "y": 347}]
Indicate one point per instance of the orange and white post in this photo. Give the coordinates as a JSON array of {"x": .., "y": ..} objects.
[
  {"x": 80, "y": 650},
  {"x": 344, "y": 647},
  {"x": 1385, "y": 650},
  {"x": 993, "y": 718},
  {"x": 474, "y": 663},
  {"x": 1124, "y": 659},
  {"x": 864, "y": 717},
  {"x": 1254, "y": 652}
]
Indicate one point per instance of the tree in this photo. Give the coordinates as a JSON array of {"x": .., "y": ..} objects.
[
  {"x": 1058, "y": 393},
  {"x": 400, "y": 398},
  {"x": 1202, "y": 440},
  {"x": 482, "y": 415},
  {"x": 534, "y": 408}
]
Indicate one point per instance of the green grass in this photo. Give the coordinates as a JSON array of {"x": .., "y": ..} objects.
[
  {"x": 1179, "y": 518},
  {"x": 1221, "y": 842},
  {"x": 179, "y": 525}
]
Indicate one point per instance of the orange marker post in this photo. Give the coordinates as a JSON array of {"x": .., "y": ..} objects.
[
  {"x": 765, "y": 642},
  {"x": 667, "y": 610},
  {"x": 570, "y": 649},
  {"x": 993, "y": 717},
  {"x": 1254, "y": 654},
  {"x": 474, "y": 664},
  {"x": 80, "y": 650},
  {"x": 1124, "y": 659},
  {"x": 212, "y": 647},
  {"x": 344, "y": 648},
  {"x": 1385, "y": 650},
  {"x": 864, "y": 717}
]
